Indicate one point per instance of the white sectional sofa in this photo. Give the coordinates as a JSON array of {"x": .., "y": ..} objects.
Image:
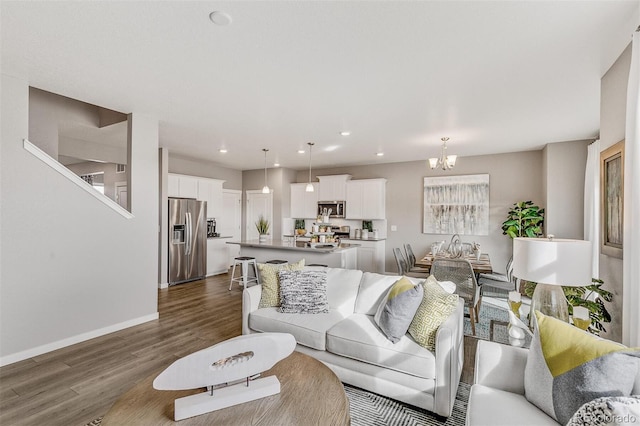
[{"x": 348, "y": 341}]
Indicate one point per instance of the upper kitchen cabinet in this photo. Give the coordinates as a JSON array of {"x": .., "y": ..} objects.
[
  {"x": 304, "y": 205},
  {"x": 366, "y": 199},
  {"x": 203, "y": 189},
  {"x": 182, "y": 186},
  {"x": 210, "y": 190},
  {"x": 333, "y": 188}
]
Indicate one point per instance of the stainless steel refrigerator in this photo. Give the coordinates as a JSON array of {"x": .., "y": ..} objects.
[{"x": 187, "y": 240}]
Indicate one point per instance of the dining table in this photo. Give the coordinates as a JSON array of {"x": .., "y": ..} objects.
[{"x": 480, "y": 266}]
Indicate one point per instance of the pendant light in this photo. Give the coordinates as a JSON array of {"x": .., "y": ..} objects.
[
  {"x": 445, "y": 161},
  {"x": 265, "y": 188},
  {"x": 309, "y": 187}
]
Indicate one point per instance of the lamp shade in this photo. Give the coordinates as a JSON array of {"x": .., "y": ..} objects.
[{"x": 552, "y": 261}]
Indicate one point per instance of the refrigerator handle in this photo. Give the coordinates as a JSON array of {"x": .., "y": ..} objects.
[{"x": 187, "y": 245}]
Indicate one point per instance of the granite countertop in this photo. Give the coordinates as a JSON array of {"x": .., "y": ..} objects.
[
  {"x": 298, "y": 246},
  {"x": 218, "y": 238}
]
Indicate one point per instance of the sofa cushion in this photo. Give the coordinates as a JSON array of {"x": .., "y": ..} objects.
[
  {"x": 623, "y": 410},
  {"x": 373, "y": 288},
  {"x": 309, "y": 330},
  {"x": 269, "y": 280},
  {"x": 397, "y": 309},
  {"x": 357, "y": 337},
  {"x": 303, "y": 292},
  {"x": 495, "y": 407},
  {"x": 435, "y": 308},
  {"x": 567, "y": 367},
  {"x": 342, "y": 288}
]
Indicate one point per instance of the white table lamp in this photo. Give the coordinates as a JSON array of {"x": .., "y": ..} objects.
[{"x": 552, "y": 263}]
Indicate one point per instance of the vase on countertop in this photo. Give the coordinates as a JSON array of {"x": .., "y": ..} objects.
[{"x": 262, "y": 238}]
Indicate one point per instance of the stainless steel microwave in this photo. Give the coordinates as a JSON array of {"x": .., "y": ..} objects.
[{"x": 331, "y": 208}]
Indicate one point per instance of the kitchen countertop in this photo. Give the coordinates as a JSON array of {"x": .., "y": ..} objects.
[
  {"x": 219, "y": 238},
  {"x": 299, "y": 246},
  {"x": 363, "y": 239}
]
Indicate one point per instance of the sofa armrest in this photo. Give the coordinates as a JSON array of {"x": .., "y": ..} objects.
[
  {"x": 250, "y": 301},
  {"x": 500, "y": 366},
  {"x": 449, "y": 359}
]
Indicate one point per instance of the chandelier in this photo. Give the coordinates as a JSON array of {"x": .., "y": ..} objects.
[{"x": 445, "y": 161}]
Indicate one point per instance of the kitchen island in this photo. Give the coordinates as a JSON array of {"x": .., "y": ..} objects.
[{"x": 341, "y": 256}]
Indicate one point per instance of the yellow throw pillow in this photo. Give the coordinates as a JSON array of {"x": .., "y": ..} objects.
[
  {"x": 567, "y": 367},
  {"x": 435, "y": 308},
  {"x": 270, "y": 282}
]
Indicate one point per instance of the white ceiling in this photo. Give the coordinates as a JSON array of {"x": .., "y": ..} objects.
[{"x": 494, "y": 76}]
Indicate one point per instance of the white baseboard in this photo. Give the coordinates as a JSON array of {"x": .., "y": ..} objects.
[{"x": 29, "y": 353}]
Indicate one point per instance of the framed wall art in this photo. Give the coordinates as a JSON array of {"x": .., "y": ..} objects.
[
  {"x": 612, "y": 199},
  {"x": 456, "y": 205}
]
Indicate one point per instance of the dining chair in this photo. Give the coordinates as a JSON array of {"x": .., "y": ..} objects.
[
  {"x": 403, "y": 268},
  {"x": 461, "y": 273},
  {"x": 411, "y": 261},
  {"x": 501, "y": 281}
]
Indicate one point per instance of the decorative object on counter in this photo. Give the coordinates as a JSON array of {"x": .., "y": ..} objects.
[
  {"x": 456, "y": 205},
  {"x": 551, "y": 263},
  {"x": 265, "y": 188},
  {"x": 365, "y": 234},
  {"x": 300, "y": 224},
  {"x": 446, "y": 162},
  {"x": 309, "y": 187},
  {"x": 368, "y": 225},
  {"x": 232, "y": 379},
  {"x": 357, "y": 233},
  {"x": 455, "y": 247},
  {"x": 262, "y": 226}
]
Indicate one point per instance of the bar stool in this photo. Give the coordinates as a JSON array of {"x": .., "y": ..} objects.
[
  {"x": 276, "y": 262},
  {"x": 244, "y": 279}
]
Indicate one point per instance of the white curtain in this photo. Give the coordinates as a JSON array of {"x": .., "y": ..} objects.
[
  {"x": 592, "y": 205},
  {"x": 631, "y": 237}
]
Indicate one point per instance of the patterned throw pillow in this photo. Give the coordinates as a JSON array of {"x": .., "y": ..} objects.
[
  {"x": 397, "y": 309},
  {"x": 609, "y": 410},
  {"x": 269, "y": 280},
  {"x": 435, "y": 308},
  {"x": 303, "y": 292},
  {"x": 567, "y": 367}
]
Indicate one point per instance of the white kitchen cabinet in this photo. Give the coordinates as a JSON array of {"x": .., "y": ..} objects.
[
  {"x": 217, "y": 256},
  {"x": 210, "y": 190},
  {"x": 230, "y": 223},
  {"x": 366, "y": 199},
  {"x": 188, "y": 187},
  {"x": 370, "y": 255},
  {"x": 173, "y": 187},
  {"x": 304, "y": 205},
  {"x": 333, "y": 188}
]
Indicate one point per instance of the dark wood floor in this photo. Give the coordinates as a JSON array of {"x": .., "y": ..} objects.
[{"x": 76, "y": 384}]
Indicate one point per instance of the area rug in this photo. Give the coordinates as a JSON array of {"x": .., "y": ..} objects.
[
  {"x": 491, "y": 325},
  {"x": 369, "y": 409}
]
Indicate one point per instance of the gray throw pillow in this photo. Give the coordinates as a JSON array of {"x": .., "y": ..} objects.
[
  {"x": 303, "y": 292},
  {"x": 397, "y": 309}
]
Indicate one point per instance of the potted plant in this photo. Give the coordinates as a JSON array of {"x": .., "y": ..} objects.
[
  {"x": 300, "y": 227},
  {"x": 580, "y": 296},
  {"x": 525, "y": 219},
  {"x": 262, "y": 225}
]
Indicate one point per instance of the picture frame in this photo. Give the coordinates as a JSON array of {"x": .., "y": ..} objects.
[
  {"x": 456, "y": 205},
  {"x": 612, "y": 200}
]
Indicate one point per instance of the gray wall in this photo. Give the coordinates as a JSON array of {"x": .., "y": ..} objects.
[
  {"x": 613, "y": 109},
  {"x": 513, "y": 177},
  {"x": 564, "y": 168},
  {"x": 70, "y": 267},
  {"x": 192, "y": 167}
]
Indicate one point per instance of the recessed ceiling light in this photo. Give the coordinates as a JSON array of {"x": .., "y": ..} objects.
[
  {"x": 220, "y": 18},
  {"x": 276, "y": 164},
  {"x": 345, "y": 133},
  {"x": 380, "y": 154},
  {"x": 222, "y": 151},
  {"x": 301, "y": 151}
]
